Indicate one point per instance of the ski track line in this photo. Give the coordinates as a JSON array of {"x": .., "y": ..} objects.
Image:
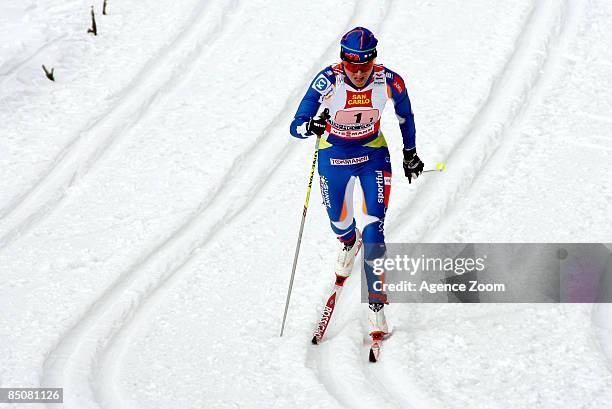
[
  {"x": 87, "y": 349},
  {"x": 488, "y": 127},
  {"x": 16, "y": 67},
  {"x": 560, "y": 34},
  {"x": 335, "y": 382},
  {"x": 536, "y": 57},
  {"x": 123, "y": 94},
  {"x": 343, "y": 378},
  {"x": 161, "y": 73},
  {"x": 148, "y": 290},
  {"x": 341, "y": 383},
  {"x": 601, "y": 322},
  {"x": 508, "y": 98}
]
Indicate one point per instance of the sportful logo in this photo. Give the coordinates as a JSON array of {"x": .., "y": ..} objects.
[
  {"x": 383, "y": 189},
  {"x": 380, "y": 186},
  {"x": 383, "y": 186},
  {"x": 349, "y": 161}
]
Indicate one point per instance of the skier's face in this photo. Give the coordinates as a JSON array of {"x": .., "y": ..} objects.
[{"x": 358, "y": 73}]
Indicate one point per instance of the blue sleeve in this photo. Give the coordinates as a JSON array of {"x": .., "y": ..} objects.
[
  {"x": 403, "y": 109},
  {"x": 319, "y": 87}
]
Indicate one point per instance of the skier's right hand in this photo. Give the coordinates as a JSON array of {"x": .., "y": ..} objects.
[
  {"x": 317, "y": 125},
  {"x": 302, "y": 127}
]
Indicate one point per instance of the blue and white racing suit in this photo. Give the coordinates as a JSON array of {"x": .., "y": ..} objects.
[{"x": 354, "y": 147}]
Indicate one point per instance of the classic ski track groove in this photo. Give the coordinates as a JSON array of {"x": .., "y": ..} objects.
[
  {"x": 85, "y": 348},
  {"x": 16, "y": 67},
  {"x": 603, "y": 336},
  {"x": 105, "y": 333},
  {"x": 325, "y": 370},
  {"x": 508, "y": 97},
  {"x": 75, "y": 160},
  {"x": 487, "y": 115},
  {"x": 556, "y": 42},
  {"x": 552, "y": 16},
  {"x": 165, "y": 67},
  {"x": 346, "y": 396}
]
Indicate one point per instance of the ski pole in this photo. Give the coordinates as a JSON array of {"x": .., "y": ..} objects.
[
  {"x": 299, "y": 240},
  {"x": 440, "y": 166}
]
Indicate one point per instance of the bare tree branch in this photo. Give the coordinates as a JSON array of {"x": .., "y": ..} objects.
[
  {"x": 48, "y": 73},
  {"x": 94, "y": 28}
]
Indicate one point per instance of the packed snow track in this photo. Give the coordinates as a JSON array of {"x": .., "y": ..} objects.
[{"x": 151, "y": 199}]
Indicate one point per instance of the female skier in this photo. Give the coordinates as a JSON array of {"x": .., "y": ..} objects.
[{"x": 354, "y": 93}]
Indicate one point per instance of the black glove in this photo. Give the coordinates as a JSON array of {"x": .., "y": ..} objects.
[
  {"x": 413, "y": 166},
  {"x": 317, "y": 126}
]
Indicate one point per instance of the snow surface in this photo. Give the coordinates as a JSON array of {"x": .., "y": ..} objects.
[{"x": 151, "y": 196}]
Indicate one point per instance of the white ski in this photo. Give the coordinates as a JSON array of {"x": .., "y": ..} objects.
[{"x": 377, "y": 338}]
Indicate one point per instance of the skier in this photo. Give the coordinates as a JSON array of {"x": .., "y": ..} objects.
[{"x": 354, "y": 93}]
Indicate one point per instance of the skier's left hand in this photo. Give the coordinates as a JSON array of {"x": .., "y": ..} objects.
[{"x": 413, "y": 166}]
